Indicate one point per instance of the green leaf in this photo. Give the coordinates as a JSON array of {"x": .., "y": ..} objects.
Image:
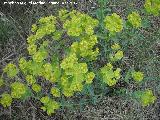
[
  {"x": 98, "y": 13},
  {"x": 146, "y": 23},
  {"x": 127, "y": 77},
  {"x": 92, "y": 95}
]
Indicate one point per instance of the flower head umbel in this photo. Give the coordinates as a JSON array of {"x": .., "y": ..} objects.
[
  {"x": 50, "y": 105},
  {"x": 135, "y": 19},
  {"x": 11, "y": 70},
  {"x": 55, "y": 92},
  {"x": 152, "y": 7},
  {"x": 117, "y": 56},
  {"x": 110, "y": 76},
  {"x": 145, "y": 97},
  {"x": 78, "y": 23},
  {"x": 114, "y": 23},
  {"x": 17, "y": 90},
  {"x": 30, "y": 79},
  {"x": 6, "y": 100},
  {"x": 137, "y": 76},
  {"x": 32, "y": 49},
  {"x": 36, "y": 87}
]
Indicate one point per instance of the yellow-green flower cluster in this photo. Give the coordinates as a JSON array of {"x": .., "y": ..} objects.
[
  {"x": 11, "y": 70},
  {"x": 146, "y": 97},
  {"x": 152, "y": 7},
  {"x": 36, "y": 87},
  {"x": 32, "y": 49},
  {"x": 137, "y": 76},
  {"x": 110, "y": 77},
  {"x": 135, "y": 19},
  {"x": 32, "y": 67},
  {"x": 55, "y": 92},
  {"x": 116, "y": 55},
  {"x": 63, "y": 14},
  {"x": 76, "y": 85},
  {"x": 46, "y": 26},
  {"x": 73, "y": 68},
  {"x": 69, "y": 61},
  {"x": 47, "y": 68},
  {"x": 49, "y": 105},
  {"x": 23, "y": 65},
  {"x": 114, "y": 23},
  {"x": 6, "y": 100},
  {"x": 71, "y": 85},
  {"x": 75, "y": 74},
  {"x": 65, "y": 84},
  {"x": 17, "y": 90},
  {"x": 85, "y": 47},
  {"x": 78, "y": 23},
  {"x": 30, "y": 79},
  {"x": 35, "y": 66},
  {"x": 48, "y": 73},
  {"x": 39, "y": 56}
]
